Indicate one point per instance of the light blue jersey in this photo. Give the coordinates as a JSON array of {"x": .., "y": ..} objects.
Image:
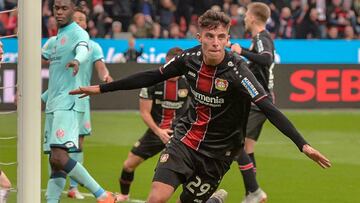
[
  {"x": 86, "y": 70},
  {"x": 61, "y": 79}
]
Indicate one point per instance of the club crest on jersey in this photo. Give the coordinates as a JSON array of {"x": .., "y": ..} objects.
[
  {"x": 60, "y": 133},
  {"x": 221, "y": 84},
  {"x": 63, "y": 40},
  {"x": 87, "y": 125},
  {"x": 183, "y": 93},
  {"x": 164, "y": 158}
]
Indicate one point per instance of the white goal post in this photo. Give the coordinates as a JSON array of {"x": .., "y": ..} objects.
[{"x": 29, "y": 104}]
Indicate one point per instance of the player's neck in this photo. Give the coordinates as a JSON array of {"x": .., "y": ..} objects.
[
  {"x": 257, "y": 29},
  {"x": 62, "y": 26},
  {"x": 213, "y": 62}
]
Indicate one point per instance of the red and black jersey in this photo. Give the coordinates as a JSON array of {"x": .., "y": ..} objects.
[
  {"x": 263, "y": 44},
  {"x": 215, "y": 123},
  {"x": 220, "y": 100},
  {"x": 169, "y": 101}
]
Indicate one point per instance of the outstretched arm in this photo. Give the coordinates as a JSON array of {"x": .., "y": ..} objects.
[
  {"x": 145, "y": 112},
  {"x": 174, "y": 67},
  {"x": 280, "y": 121}
]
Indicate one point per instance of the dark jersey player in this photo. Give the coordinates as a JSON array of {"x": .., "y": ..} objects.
[
  {"x": 211, "y": 132},
  {"x": 260, "y": 57},
  {"x": 161, "y": 106}
]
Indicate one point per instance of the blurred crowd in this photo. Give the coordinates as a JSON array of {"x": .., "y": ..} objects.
[{"x": 121, "y": 19}]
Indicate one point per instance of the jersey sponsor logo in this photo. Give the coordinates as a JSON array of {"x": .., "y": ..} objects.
[
  {"x": 198, "y": 53},
  {"x": 230, "y": 64},
  {"x": 164, "y": 158},
  {"x": 249, "y": 87},
  {"x": 183, "y": 93},
  {"x": 169, "y": 104},
  {"x": 159, "y": 92},
  {"x": 260, "y": 46},
  {"x": 60, "y": 133},
  {"x": 221, "y": 84},
  {"x": 191, "y": 74},
  {"x": 207, "y": 100}
]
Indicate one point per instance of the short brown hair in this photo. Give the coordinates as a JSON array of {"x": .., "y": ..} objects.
[
  {"x": 173, "y": 52},
  {"x": 81, "y": 10},
  {"x": 260, "y": 10},
  {"x": 212, "y": 19}
]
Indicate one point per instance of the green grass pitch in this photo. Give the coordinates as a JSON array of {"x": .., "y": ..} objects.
[{"x": 283, "y": 172}]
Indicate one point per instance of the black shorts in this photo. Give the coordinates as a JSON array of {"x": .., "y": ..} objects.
[
  {"x": 200, "y": 175},
  {"x": 255, "y": 123},
  {"x": 148, "y": 145}
]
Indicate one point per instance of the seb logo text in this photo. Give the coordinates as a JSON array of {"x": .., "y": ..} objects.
[{"x": 325, "y": 85}]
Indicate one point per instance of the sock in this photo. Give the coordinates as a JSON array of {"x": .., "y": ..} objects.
[
  {"x": 247, "y": 170},
  {"x": 79, "y": 157},
  {"x": 77, "y": 171},
  {"x": 252, "y": 157},
  {"x": 4, "y": 192},
  {"x": 55, "y": 186},
  {"x": 125, "y": 181}
]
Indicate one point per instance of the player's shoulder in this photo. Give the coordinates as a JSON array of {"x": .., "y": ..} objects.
[
  {"x": 236, "y": 64},
  {"x": 191, "y": 52},
  {"x": 94, "y": 45},
  {"x": 80, "y": 32},
  {"x": 263, "y": 36}
]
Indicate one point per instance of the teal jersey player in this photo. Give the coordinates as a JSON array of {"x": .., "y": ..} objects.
[
  {"x": 60, "y": 50},
  {"x": 63, "y": 112},
  {"x": 61, "y": 79},
  {"x": 86, "y": 70}
]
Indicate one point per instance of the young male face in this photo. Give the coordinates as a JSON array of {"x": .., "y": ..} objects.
[
  {"x": 249, "y": 20},
  {"x": 213, "y": 42},
  {"x": 80, "y": 19},
  {"x": 63, "y": 12}
]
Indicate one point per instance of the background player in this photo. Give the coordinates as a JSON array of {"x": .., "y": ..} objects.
[
  {"x": 261, "y": 63},
  {"x": 96, "y": 59},
  {"x": 62, "y": 110},
  {"x": 160, "y": 106},
  {"x": 210, "y": 134}
]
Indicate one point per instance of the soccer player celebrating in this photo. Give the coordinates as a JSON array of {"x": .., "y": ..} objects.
[
  {"x": 261, "y": 63},
  {"x": 161, "y": 105},
  {"x": 63, "y": 111},
  {"x": 212, "y": 131}
]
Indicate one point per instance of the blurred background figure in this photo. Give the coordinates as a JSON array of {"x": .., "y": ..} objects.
[{"x": 132, "y": 54}]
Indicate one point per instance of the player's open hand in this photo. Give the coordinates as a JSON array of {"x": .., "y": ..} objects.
[
  {"x": 86, "y": 91},
  {"x": 164, "y": 134},
  {"x": 316, "y": 156},
  {"x": 74, "y": 64}
]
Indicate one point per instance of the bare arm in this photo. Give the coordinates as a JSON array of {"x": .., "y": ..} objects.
[
  {"x": 145, "y": 112},
  {"x": 102, "y": 71}
]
